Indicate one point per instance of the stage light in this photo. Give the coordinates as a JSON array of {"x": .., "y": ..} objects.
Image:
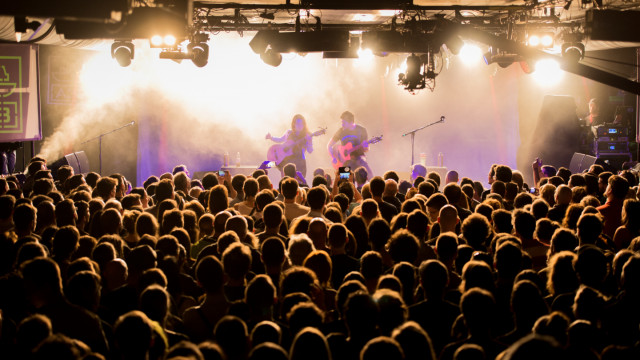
[
  {"x": 547, "y": 41},
  {"x": 541, "y": 40},
  {"x": 454, "y": 44},
  {"x": 470, "y": 54},
  {"x": 534, "y": 40},
  {"x": 271, "y": 57},
  {"x": 123, "y": 52},
  {"x": 170, "y": 40},
  {"x": 573, "y": 52},
  {"x": 199, "y": 53},
  {"x": 547, "y": 72},
  {"x": 156, "y": 41},
  {"x": 413, "y": 79}
]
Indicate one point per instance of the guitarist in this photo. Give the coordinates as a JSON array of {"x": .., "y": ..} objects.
[
  {"x": 297, "y": 132},
  {"x": 355, "y": 134}
]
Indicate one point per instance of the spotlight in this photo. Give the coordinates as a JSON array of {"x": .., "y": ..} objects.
[
  {"x": 271, "y": 57},
  {"x": 156, "y": 41},
  {"x": 199, "y": 53},
  {"x": 573, "y": 52},
  {"x": 541, "y": 40},
  {"x": 260, "y": 44},
  {"x": 547, "y": 72},
  {"x": 469, "y": 54},
  {"x": 169, "y": 40},
  {"x": 123, "y": 52},
  {"x": 166, "y": 41},
  {"x": 413, "y": 79},
  {"x": 534, "y": 40},
  {"x": 454, "y": 44}
]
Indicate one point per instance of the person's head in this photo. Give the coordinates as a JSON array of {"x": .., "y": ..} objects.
[
  {"x": 106, "y": 188},
  {"x": 265, "y": 332},
  {"x": 348, "y": 120},
  {"x": 476, "y": 230},
  {"x": 434, "y": 278},
  {"x": 451, "y": 177},
  {"x": 376, "y": 185},
  {"x": 382, "y": 347},
  {"x": 524, "y": 224},
  {"x": 236, "y": 261},
  {"x": 289, "y": 188},
  {"x": 218, "y": 199},
  {"x": 418, "y": 170},
  {"x": 320, "y": 263},
  {"x": 360, "y": 175},
  {"x": 337, "y": 236},
  {"x": 415, "y": 342},
  {"x": 403, "y": 246},
  {"x": 299, "y": 124},
  {"x": 299, "y": 247},
  {"x": 361, "y": 314},
  {"x": 316, "y": 198},
  {"x": 232, "y": 335},
  {"x": 618, "y": 187},
  {"x": 297, "y": 279},
  {"x": 478, "y": 309},
  {"x": 309, "y": 344}
]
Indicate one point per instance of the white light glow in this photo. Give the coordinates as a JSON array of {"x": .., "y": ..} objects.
[
  {"x": 547, "y": 72},
  {"x": 169, "y": 40},
  {"x": 547, "y": 40},
  {"x": 387, "y": 12},
  {"x": 103, "y": 80},
  {"x": 364, "y": 17},
  {"x": 470, "y": 54},
  {"x": 534, "y": 40},
  {"x": 156, "y": 40},
  {"x": 365, "y": 56}
]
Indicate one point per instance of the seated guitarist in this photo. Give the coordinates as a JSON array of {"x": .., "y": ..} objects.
[
  {"x": 297, "y": 132},
  {"x": 355, "y": 134}
]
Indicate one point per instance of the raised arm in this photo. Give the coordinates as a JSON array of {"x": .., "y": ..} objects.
[{"x": 280, "y": 139}]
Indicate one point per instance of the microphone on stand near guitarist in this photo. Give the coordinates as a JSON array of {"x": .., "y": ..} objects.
[
  {"x": 291, "y": 146},
  {"x": 348, "y": 145}
]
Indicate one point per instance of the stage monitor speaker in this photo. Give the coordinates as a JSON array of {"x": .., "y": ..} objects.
[
  {"x": 77, "y": 160},
  {"x": 581, "y": 162}
]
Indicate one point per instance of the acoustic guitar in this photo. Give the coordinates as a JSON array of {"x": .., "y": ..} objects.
[
  {"x": 279, "y": 152},
  {"x": 342, "y": 153}
]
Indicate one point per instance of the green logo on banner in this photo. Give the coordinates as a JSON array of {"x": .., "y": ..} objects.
[{"x": 11, "y": 94}]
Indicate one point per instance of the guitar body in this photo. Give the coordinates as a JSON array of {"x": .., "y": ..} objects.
[
  {"x": 279, "y": 152},
  {"x": 341, "y": 154}
]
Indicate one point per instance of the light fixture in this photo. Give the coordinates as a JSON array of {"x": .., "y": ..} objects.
[
  {"x": 165, "y": 42},
  {"x": 21, "y": 25},
  {"x": 123, "y": 52},
  {"x": 454, "y": 44},
  {"x": 413, "y": 79},
  {"x": 199, "y": 53},
  {"x": 573, "y": 51},
  {"x": 260, "y": 44},
  {"x": 541, "y": 40},
  {"x": 470, "y": 54},
  {"x": 271, "y": 57}
]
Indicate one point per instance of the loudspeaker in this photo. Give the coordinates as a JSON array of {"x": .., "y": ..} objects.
[
  {"x": 581, "y": 162},
  {"x": 77, "y": 160}
]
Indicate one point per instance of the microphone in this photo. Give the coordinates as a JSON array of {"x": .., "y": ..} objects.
[{"x": 442, "y": 118}]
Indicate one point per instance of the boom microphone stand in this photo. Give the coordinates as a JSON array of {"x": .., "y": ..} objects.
[
  {"x": 413, "y": 134},
  {"x": 99, "y": 137}
]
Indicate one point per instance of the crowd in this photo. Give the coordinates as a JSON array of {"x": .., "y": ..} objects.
[{"x": 238, "y": 268}]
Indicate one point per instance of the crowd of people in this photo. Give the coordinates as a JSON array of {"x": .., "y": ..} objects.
[{"x": 363, "y": 268}]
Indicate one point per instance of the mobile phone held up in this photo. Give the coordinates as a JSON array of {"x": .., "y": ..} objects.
[
  {"x": 221, "y": 173},
  {"x": 344, "y": 171}
]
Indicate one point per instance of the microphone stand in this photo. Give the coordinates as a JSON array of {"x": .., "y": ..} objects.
[
  {"x": 99, "y": 137},
  {"x": 413, "y": 134}
]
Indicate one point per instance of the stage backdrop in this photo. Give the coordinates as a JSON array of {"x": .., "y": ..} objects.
[{"x": 19, "y": 110}]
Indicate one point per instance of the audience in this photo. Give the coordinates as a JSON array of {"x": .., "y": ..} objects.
[{"x": 368, "y": 268}]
